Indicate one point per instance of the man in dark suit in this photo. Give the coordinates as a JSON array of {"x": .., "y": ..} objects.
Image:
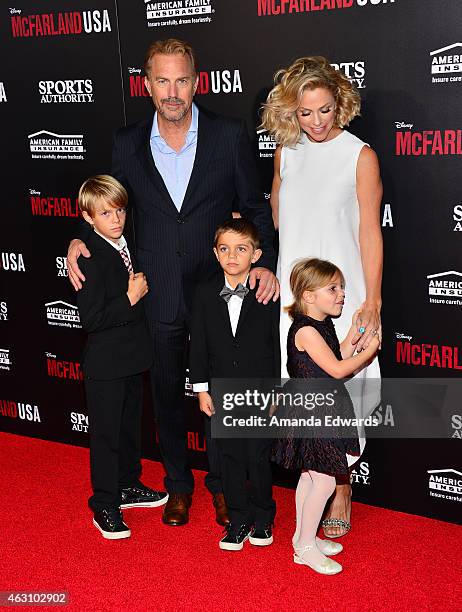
[
  {"x": 186, "y": 171},
  {"x": 234, "y": 337},
  {"x": 117, "y": 352}
]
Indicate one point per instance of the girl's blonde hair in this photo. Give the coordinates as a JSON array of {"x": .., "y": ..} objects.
[
  {"x": 279, "y": 115},
  {"x": 309, "y": 275}
]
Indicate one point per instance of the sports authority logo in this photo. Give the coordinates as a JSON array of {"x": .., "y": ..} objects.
[
  {"x": 447, "y": 287},
  {"x": 12, "y": 262},
  {"x": 226, "y": 81},
  {"x": 5, "y": 360},
  {"x": 446, "y": 484},
  {"x": 79, "y": 422},
  {"x": 2, "y": 92},
  {"x": 59, "y": 24},
  {"x": 178, "y": 12},
  {"x": 427, "y": 355},
  {"x": 48, "y": 145},
  {"x": 457, "y": 217},
  {"x": 20, "y": 410},
  {"x": 266, "y": 144},
  {"x": 426, "y": 142},
  {"x": 53, "y": 206},
  {"x": 58, "y": 368},
  {"x": 61, "y": 266},
  {"x": 3, "y": 311},
  {"x": 446, "y": 64},
  {"x": 62, "y": 314},
  {"x": 456, "y": 423},
  {"x": 282, "y": 7},
  {"x": 361, "y": 474},
  {"x": 354, "y": 71},
  {"x": 75, "y": 91}
]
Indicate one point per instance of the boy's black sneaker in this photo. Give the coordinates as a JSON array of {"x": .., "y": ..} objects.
[
  {"x": 262, "y": 536},
  {"x": 140, "y": 496},
  {"x": 235, "y": 537},
  {"x": 111, "y": 524}
]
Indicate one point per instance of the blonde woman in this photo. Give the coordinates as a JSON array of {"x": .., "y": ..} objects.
[{"x": 325, "y": 200}]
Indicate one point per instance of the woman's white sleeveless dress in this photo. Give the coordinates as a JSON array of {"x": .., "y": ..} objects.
[{"x": 319, "y": 217}]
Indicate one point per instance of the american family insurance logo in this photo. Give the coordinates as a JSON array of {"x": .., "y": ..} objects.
[
  {"x": 60, "y": 368},
  {"x": 283, "y": 7},
  {"x": 48, "y": 145},
  {"x": 73, "y": 91},
  {"x": 266, "y": 144},
  {"x": 445, "y": 288},
  {"x": 226, "y": 81},
  {"x": 445, "y": 484},
  {"x": 62, "y": 314},
  {"x": 20, "y": 410},
  {"x": 5, "y": 360},
  {"x": 446, "y": 64},
  {"x": 409, "y": 142},
  {"x": 178, "y": 12},
  {"x": 53, "y": 206},
  {"x": 59, "y": 24}
]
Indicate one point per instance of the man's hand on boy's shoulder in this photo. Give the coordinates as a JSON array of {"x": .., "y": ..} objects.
[
  {"x": 268, "y": 286},
  {"x": 76, "y": 248},
  {"x": 205, "y": 403}
]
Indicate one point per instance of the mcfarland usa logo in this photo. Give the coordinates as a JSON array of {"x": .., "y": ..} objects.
[
  {"x": 354, "y": 71},
  {"x": 12, "y": 262},
  {"x": 5, "y": 360},
  {"x": 75, "y": 91},
  {"x": 62, "y": 314},
  {"x": 409, "y": 142},
  {"x": 445, "y": 484},
  {"x": 53, "y": 206},
  {"x": 20, "y": 410},
  {"x": 426, "y": 354},
  {"x": 446, "y": 64},
  {"x": 59, "y": 24},
  {"x": 59, "y": 368},
  {"x": 3, "y": 311},
  {"x": 48, "y": 145},
  {"x": 445, "y": 288},
  {"x": 282, "y": 7},
  {"x": 178, "y": 12},
  {"x": 266, "y": 144},
  {"x": 212, "y": 81}
]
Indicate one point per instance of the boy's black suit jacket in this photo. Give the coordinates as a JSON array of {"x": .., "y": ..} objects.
[
  {"x": 118, "y": 342},
  {"x": 174, "y": 249},
  {"x": 254, "y": 351}
]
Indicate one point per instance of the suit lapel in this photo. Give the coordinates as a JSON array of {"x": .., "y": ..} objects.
[
  {"x": 247, "y": 303},
  {"x": 144, "y": 155},
  {"x": 206, "y": 138},
  {"x": 222, "y": 306}
]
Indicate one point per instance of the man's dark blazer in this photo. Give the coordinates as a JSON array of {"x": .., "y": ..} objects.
[
  {"x": 254, "y": 352},
  {"x": 118, "y": 343},
  {"x": 174, "y": 249}
]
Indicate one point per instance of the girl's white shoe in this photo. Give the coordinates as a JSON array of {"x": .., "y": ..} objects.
[
  {"x": 328, "y": 567},
  {"x": 327, "y": 547}
]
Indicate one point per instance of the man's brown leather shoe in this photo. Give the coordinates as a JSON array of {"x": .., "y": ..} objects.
[
  {"x": 176, "y": 510},
  {"x": 221, "y": 511}
]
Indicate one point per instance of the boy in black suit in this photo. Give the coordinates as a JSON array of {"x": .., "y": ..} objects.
[
  {"x": 235, "y": 336},
  {"x": 118, "y": 350}
]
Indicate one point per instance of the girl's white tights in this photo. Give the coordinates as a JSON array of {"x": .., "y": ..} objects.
[{"x": 313, "y": 491}]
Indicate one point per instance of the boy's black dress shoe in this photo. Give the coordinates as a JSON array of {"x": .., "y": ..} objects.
[
  {"x": 140, "y": 496},
  {"x": 235, "y": 537},
  {"x": 262, "y": 536},
  {"x": 111, "y": 524}
]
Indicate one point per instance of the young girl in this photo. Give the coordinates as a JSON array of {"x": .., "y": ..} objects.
[{"x": 313, "y": 351}]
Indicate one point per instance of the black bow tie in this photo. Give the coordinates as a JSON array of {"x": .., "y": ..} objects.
[{"x": 240, "y": 291}]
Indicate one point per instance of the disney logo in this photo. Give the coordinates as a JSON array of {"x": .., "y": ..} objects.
[
  {"x": 15, "y": 11},
  {"x": 50, "y": 355},
  {"x": 134, "y": 70},
  {"x": 34, "y": 192},
  {"x": 403, "y": 336},
  {"x": 401, "y": 124}
]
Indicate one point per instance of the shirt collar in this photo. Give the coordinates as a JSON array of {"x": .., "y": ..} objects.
[
  {"x": 244, "y": 284},
  {"x": 192, "y": 128},
  {"x": 118, "y": 246}
]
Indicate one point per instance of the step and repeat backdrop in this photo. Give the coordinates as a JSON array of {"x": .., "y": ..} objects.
[{"x": 72, "y": 73}]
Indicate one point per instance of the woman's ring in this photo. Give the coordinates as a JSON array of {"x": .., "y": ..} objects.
[
  {"x": 362, "y": 330},
  {"x": 373, "y": 332}
]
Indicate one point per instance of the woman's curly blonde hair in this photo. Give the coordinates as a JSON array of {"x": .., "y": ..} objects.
[{"x": 279, "y": 116}]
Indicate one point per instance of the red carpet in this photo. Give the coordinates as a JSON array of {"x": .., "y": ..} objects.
[{"x": 392, "y": 561}]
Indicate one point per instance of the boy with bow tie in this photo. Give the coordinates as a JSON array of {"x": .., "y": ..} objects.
[{"x": 235, "y": 336}]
